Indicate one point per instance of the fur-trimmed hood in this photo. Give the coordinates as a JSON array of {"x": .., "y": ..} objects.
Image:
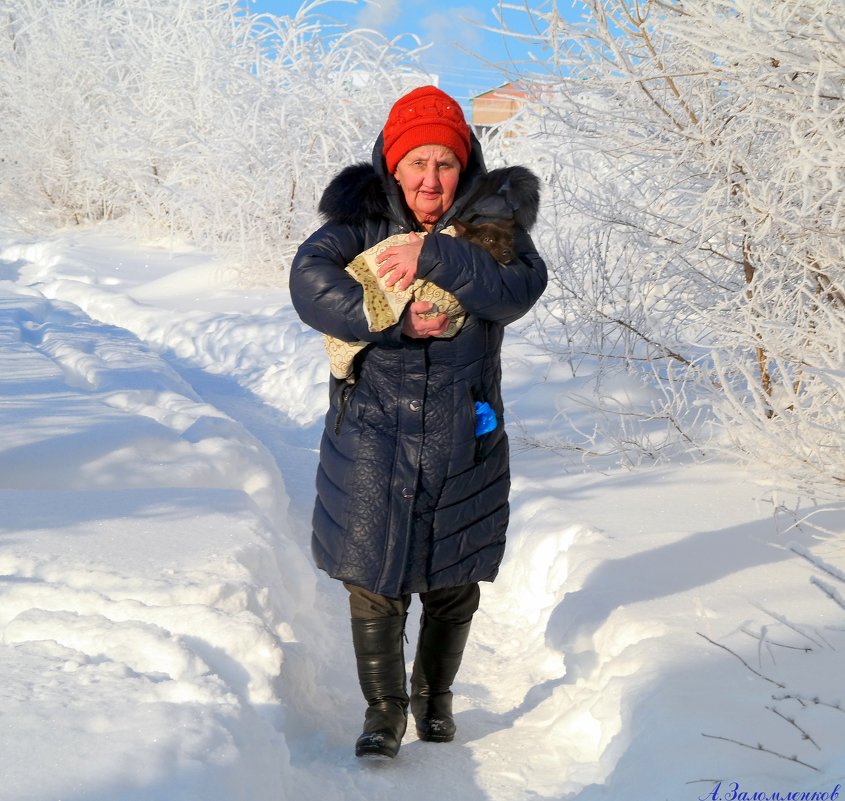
[{"x": 358, "y": 193}]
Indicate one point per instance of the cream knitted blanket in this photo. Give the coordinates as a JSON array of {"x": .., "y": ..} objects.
[{"x": 383, "y": 305}]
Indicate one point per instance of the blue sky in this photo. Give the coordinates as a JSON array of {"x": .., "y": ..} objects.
[{"x": 452, "y": 28}]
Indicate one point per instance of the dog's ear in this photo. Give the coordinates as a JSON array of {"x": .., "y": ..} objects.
[{"x": 460, "y": 228}]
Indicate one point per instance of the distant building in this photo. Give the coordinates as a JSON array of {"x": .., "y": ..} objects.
[{"x": 496, "y": 105}]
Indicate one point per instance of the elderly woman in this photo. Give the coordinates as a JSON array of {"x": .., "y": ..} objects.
[{"x": 412, "y": 489}]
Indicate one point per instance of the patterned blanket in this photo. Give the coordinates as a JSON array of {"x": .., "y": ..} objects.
[{"x": 383, "y": 305}]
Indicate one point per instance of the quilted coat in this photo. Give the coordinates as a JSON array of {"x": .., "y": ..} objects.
[{"x": 408, "y": 498}]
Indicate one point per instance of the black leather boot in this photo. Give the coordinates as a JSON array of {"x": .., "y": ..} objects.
[
  {"x": 380, "y": 657},
  {"x": 439, "y": 652}
]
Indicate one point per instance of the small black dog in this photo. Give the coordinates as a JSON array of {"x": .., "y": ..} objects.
[{"x": 495, "y": 237}]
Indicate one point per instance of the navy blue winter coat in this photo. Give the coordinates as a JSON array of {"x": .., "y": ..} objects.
[{"x": 408, "y": 498}]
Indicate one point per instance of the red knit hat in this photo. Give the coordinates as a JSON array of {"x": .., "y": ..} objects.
[{"x": 425, "y": 116}]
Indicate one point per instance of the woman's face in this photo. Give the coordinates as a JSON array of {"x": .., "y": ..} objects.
[{"x": 428, "y": 176}]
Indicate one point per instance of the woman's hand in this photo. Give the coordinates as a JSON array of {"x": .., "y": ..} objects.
[
  {"x": 421, "y": 320},
  {"x": 399, "y": 263}
]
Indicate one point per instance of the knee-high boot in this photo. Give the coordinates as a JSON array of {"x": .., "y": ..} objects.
[
  {"x": 439, "y": 652},
  {"x": 380, "y": 659}
]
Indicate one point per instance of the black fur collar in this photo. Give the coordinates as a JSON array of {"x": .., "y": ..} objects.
[
  {"x": 357, "y": 194},
  {"x": 354, "y": 195},
  {"x": 508, "y": 192}
]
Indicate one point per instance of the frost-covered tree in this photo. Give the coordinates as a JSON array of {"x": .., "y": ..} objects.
[
  {"x": 197, "y": 115},
  {"x": 695, "y": 158}
]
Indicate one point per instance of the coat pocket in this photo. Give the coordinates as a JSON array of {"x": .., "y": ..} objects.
[
  {"x": 486, "y": 425},
  {"x": 344, "y": 398}
]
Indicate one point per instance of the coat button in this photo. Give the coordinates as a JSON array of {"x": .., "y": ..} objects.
[
  {"x": 415, "y": 406},
  {"x": 407, "y": 493}
]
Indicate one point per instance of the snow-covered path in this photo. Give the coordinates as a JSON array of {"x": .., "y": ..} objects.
[{"x": 163, "y": 634}]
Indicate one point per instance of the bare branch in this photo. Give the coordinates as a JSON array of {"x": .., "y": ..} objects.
[
  {"x": 737, "y": 656},
  {"x": 762, "y": 749}
]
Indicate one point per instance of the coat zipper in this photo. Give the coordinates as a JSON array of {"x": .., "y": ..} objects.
[{"x": 342, "y": 405}]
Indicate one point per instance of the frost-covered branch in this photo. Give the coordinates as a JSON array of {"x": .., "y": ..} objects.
[
  {"x": 194, "y": 117},
  {"x": 694, "y": 156}
]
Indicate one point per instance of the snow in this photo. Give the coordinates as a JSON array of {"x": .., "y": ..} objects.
[{"x": 654, "y": 632}]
